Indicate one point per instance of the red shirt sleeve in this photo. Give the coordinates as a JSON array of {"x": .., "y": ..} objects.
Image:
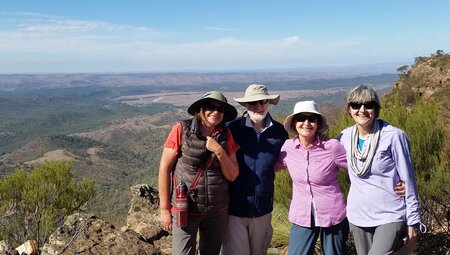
[
  {"x": 174, "y": 139},
  {"x": 232, "y": 145}
]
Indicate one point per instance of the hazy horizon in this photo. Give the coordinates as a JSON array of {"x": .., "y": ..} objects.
[
  {"x": 52, "y": 36},
  {"x": 376, "y": 68}
]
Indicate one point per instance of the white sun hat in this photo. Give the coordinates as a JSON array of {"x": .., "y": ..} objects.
[{"x": 306, "y": 106}]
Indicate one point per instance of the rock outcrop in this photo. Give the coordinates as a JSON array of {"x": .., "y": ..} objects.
[
  {"x": 84, "y": 234},
  {"x": 428, "y": 80},
  {"x": 6, "y": 249},
  {"x": 143, "y": 218}
]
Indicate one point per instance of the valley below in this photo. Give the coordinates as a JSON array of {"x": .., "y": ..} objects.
[{"x": 112, "y": 127}]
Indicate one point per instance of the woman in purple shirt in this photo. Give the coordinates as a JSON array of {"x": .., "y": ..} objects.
[
  {"x": 313, "y": 160},
  {"x": 378, "y": 156}
]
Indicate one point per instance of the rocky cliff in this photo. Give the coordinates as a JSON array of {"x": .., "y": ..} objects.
[
  {"x": 86, "y": 234},
  {"x": 428, "y": 79}
]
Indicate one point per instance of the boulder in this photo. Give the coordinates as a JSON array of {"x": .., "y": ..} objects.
[
  {"x": 143, "y": 217},
  {"x": 7, "y": 249},
  {"x": 30, "y": 247}
]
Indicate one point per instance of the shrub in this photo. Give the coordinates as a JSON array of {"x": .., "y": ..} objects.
[{"x": 33, "y": 204}]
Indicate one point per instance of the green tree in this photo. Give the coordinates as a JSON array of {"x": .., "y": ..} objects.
[
  {"x": 403, "y": 69},
  {"x": 33, "y": 204},
  {"x": 439, "y": 53}
]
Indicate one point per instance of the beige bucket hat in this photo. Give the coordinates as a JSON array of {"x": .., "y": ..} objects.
[
  {"x": 256, "y": 92},
  {"x": 305, "y": 106},
  {"x": 214, "y": 96}
]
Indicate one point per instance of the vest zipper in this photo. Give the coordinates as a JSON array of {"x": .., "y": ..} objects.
[{"x": 206, "y": 190}]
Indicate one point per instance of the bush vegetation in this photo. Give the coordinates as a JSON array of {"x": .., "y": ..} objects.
[{"x": 33, "y": 204}]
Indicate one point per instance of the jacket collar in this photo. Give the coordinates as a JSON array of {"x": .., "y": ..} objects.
[
  {"x": 195, "y": 128},
  {"x": 247, "y": 122}
]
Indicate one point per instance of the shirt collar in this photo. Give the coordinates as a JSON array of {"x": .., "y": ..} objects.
[{"x": 297, "y": 143}]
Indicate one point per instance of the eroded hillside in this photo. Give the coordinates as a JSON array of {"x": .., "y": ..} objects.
[{"x": 428, "y": 80}]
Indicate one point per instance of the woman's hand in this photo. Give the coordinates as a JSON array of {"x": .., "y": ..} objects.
[
  {"x": 166, "y": 219},
  {"x": 412, "y": 234},
  {"x": 228, "y": 163},
  {"x": 399, "y": 189},
  {"x": 166, "y": 165},
  {"x": 212, "y": 145}
]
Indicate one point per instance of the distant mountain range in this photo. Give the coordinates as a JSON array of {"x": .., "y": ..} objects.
[{"x": 195, "y": 81}]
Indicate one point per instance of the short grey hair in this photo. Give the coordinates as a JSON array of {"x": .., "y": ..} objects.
[{"x": 362, "y": 94}]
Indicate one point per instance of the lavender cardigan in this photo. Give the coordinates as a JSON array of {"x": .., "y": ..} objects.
[{"x": 371, "y": 200}]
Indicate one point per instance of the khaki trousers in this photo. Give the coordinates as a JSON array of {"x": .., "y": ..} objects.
[{"x": 248, "y": 236}]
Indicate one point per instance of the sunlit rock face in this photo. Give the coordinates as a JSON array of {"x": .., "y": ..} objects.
[{"x": 87, "y": 234}]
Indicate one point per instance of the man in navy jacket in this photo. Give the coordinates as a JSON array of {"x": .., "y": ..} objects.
[{"x": 251, "y": 194}]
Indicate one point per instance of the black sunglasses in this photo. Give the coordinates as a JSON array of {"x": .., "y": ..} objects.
[
  {"x": 368, "y": 105},
  {"x": 213, "y": 107},
  {"x": 264, "y": 101},
  {"x": 313, "y": 118}
]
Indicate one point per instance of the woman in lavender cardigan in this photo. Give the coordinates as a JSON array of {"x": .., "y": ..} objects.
[{"x": 378, "y": 156}]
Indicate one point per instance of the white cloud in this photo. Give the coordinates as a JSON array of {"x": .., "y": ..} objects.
[
  {"x": 69, "y": 45},
  {"x": 54, "y": 25},
  {"x": 291, "y": 40}
]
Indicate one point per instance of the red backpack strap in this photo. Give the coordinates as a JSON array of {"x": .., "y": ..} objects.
[{"x": 197, "y": 176}]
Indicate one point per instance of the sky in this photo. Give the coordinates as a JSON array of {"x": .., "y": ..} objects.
[{"x": 90, "y": 36}]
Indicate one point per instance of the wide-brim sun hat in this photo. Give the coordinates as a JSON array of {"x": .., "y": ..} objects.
[
  {"x": 305, "y": 106},
  {"x": 257, "y": 92},
  {"x": 230, "y": 112}
]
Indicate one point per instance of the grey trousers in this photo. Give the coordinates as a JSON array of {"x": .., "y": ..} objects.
[
  {"x": 211, "y": 230},
  {"x": 379, "y": 240}
]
